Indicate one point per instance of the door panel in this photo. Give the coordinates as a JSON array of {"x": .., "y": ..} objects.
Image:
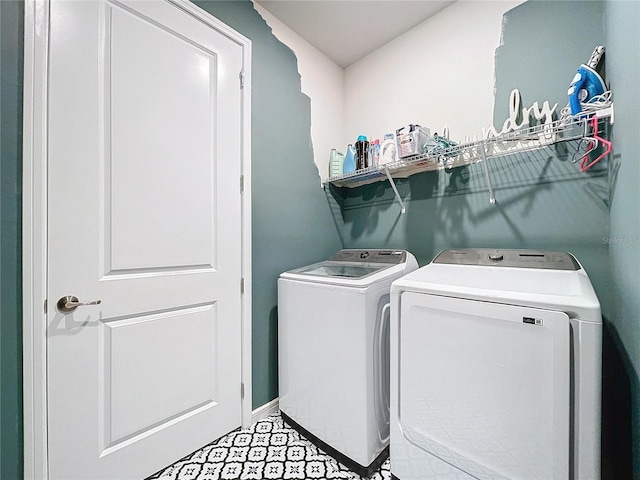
[
  {"x": 180, "y": 142},
  {"x": 165, "y": 354},
  {"x": 144, "y": 214}
]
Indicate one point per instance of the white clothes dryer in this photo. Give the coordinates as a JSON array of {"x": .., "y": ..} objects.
[
  {"x": 333, "y": 352},
  {"x": 496, "y": 368}
]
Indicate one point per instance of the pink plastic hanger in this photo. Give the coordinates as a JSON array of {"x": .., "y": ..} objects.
[{"x": 597, "y": 139}]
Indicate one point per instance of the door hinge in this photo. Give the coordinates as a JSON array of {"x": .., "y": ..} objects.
[
  {"x": 242, "y": 390},
  {"x": 45, "y": 305},
  {"x": 241, "y": 78},
  {"x": 242, "y": 183},
  {"x": 242, "y": 285}
]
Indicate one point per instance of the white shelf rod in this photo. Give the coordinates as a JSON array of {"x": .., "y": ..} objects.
[{"x": 605, "y": 112}]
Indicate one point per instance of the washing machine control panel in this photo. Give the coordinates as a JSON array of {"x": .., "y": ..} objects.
[
  {"x": 370, "y": 256},
  {"x": 509, "y": 258}
]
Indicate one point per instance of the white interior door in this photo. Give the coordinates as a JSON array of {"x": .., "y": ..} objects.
[{"x": 144, "y": 148}]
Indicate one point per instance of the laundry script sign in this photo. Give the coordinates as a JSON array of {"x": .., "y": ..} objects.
[{"x": 521, "y": 117}]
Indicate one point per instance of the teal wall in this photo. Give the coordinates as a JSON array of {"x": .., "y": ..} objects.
[
  {"x": 11, "y": 46},
  {"x": 623, "y": 72},
  {"x": 571, "y": 212},
  {"x": 543, "y": 201},
  {"x": 291, "y": 222}
]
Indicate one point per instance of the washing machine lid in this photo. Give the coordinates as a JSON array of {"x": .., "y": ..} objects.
[
  {"x": 353, "y": 267},
  {"x": 553, "y": 280},
  {"x": 337, "y": 269}
]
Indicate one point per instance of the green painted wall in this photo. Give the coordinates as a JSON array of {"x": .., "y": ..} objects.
[
  {"x": 11, "y": 46},
  {"x": 544, "y": 202},
  {"x": 623, "y": 72},
  {"x": 291, "y": 222},
  {"x": 571, "y": 212}
]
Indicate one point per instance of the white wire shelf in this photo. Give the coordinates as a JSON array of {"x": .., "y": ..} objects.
[{"x": 512, "y": 143}]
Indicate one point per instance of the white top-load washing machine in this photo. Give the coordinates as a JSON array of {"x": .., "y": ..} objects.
[
  {"x": 496, "y": 368},
  {"x": 333, "y": 357}
]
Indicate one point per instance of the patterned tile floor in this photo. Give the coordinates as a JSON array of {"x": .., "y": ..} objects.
[{"x": 270, "y": 449}]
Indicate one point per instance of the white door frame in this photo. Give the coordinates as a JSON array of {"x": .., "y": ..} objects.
[{"x": 34, "y": 226}]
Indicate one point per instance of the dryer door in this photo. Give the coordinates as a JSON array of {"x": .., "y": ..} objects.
[{"x": 485, "y": 386}]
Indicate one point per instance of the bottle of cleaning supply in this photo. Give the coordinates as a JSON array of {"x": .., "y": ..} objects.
[
  {"x": 375, "y": 153},
  {"x": 388, "y": 149},
  {"x": 336, "y": 159},
  {"x": 362, "y": 152},
  {"x": 349, "y": 163}
]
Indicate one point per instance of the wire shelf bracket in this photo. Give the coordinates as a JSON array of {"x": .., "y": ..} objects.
[
  {"x": 485, "y": 166},
  {"x": 395, "y": 190}
]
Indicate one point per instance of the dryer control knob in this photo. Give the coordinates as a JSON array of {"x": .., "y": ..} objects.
[{"x": 496, "y": 257}]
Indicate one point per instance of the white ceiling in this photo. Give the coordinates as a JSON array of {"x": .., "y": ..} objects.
[{"x": 347, "y": 30}]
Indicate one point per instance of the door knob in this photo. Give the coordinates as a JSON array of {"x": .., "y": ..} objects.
[{"x": 69, "y": 303}]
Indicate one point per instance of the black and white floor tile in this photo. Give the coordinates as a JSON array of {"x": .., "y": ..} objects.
[{"x": 270, "y": 449}]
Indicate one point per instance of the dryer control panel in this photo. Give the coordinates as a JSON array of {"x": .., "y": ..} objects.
[{"x": 509, "y": 258}]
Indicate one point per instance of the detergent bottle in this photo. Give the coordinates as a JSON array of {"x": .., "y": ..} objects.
[
  {"x": 374, "y": 157},
  {"x": 388, "y": 149},
  {"x": 362, "y": 152},
  {"x": 349, "y": 163},
  {"x": 336, "y": 161}
]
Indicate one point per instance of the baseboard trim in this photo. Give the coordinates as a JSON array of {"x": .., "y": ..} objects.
[{"x": 265, "y": 410}]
